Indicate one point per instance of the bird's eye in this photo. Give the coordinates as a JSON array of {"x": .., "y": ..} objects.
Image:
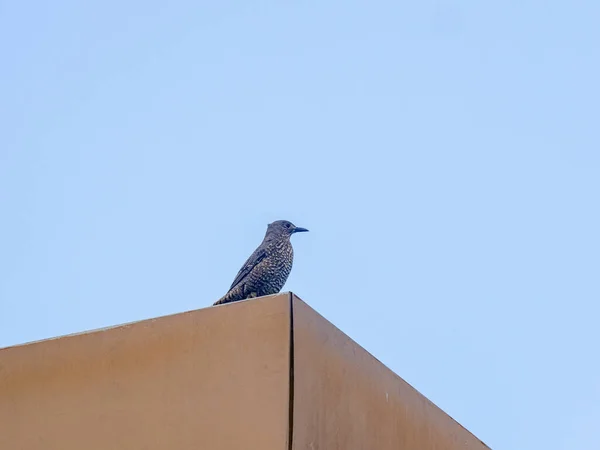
[{"x": 287, "y": 225}]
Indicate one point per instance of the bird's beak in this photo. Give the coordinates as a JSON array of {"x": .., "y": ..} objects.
[{"x": 299, "y": 229}]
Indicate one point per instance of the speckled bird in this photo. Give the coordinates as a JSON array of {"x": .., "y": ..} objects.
[{"x": 268, "y": 268}]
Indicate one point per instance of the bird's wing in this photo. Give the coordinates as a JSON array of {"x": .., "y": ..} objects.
[{"x": 256, "y": 257}]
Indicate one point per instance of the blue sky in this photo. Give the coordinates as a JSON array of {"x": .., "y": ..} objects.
[{"x": 444, "y": 155}]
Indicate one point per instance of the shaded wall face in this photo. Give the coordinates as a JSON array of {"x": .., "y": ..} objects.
[
  {"x": 346, "y": 399},
  {"x": 216, "y": 378}
]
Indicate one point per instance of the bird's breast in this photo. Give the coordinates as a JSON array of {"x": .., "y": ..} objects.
[{"x": 275, "y": 268}]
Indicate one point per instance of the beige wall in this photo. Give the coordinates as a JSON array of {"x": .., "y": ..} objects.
[
  {"x": 215, "y": 378},
  {"x": 346, "y": 399}
]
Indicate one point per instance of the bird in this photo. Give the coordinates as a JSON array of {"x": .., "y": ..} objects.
[{"x": 267, "y": 269}]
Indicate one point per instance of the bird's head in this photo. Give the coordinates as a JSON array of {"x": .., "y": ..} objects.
[{"x": 283, "y": 228}]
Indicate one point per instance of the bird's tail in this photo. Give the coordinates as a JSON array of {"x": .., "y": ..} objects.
[
  {"x": 221, "y": 301},
  {"x": 231, "y": 296},
  {"x": 235, "y": 295}
]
